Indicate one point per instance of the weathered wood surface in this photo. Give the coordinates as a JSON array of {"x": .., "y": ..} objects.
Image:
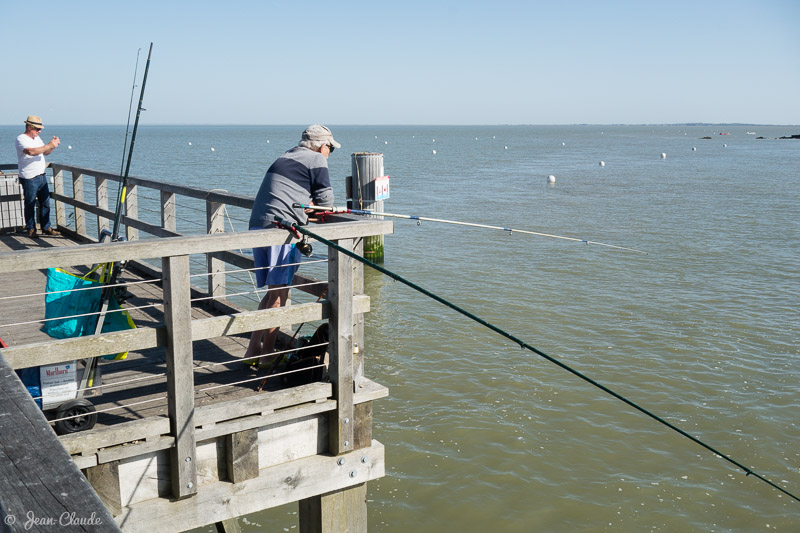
[
  {"x": 25, "y": 259},
  {"x": 277, "y": 485},
  {"x": 39, "y": 485}
]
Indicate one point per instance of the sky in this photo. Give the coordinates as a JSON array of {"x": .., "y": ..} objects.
[{"x": 405, "y": 62}]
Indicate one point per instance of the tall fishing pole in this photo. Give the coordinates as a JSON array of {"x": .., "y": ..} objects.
[
  {"x": 130, "y": 108},
  {"x": 124, "y": 183},
  {"x": 472, "y": 224},
  {"x": 748, "y": 471},
  {"x": 111, "y": 270}
]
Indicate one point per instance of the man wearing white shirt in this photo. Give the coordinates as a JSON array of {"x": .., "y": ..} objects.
[{"x": 30, "y": 158}]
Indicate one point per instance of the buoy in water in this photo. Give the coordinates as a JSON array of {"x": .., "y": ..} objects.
[
  {"x": 563, "y": 144},
  {"x": 267, "y": 141},
  {"x": 212, "y": 148},
  {"x": 69, "y": 147},
  {"x": 190, "y": 144},
  {"x": 434, "y": 152},
  {"x": 505, "y": 147},
  {"x": 663, "y": 155},
  {"x": 385, "y": 142},
  {"x": 602, "y": 163},
  {"x": 551, "y": 179},
  {"x": 694, "y": 148},
  {"x": 724, "y": 145}
]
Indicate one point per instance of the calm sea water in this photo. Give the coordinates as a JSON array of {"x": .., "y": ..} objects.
[{"x": 481, "y": 435}]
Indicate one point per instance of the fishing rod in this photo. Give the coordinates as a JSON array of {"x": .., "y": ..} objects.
[
  {"x": 749, "y": 472},
  {"x": 472, "y": 224},
  {"x": 124, "y": 183},
  {"x": 130, "y": 108},
  {"x": 111, "y": 271}
]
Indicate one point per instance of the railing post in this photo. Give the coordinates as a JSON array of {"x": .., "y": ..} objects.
[
  {"x": 168, "y": 219},
  {"x": 358, "y": 320},
  {"x": 77, "y": 194},
  {"x": 58, "y": 188},
  {"x": 340, "y": 295},
  {"x": 180, "y": 376},
  {"x": 215, "y": 223},
  {"x": 101, "y": 195},
  {"x": 341, "y": 510},
  {"x": 132, "y": 211}
]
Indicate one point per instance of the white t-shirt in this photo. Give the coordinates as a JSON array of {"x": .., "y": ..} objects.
[{"x": 30, "y": 166}]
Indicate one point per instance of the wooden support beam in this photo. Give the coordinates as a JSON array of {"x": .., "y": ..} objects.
[
  {"x": 241, "y": 454},
  {"x": 180, "y": 376},
  {"x": 132, "y": 211},
  {"x": 77, "y": 193},
  {"x": 104, "y": 478},
  {"x": 340, "y": 295},
  {"x": 101, "y": 194},
  {"x": 168, "y": 214},
  {"x": 58, "y": 189},
  {"x": 343, "y": 510},
  {"x": 215, "y": 223}
]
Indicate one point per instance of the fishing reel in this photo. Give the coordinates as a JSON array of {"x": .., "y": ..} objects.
[{"x": 304, "y": 246}]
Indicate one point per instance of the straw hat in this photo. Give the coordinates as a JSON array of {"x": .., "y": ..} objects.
[{"x": 34, "y": 121}]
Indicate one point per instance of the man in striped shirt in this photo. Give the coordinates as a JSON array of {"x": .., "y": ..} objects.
[{"x": 299, "y": 176}]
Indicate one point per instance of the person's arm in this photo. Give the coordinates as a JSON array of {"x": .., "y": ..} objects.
[{"x": 46, "y": 149}]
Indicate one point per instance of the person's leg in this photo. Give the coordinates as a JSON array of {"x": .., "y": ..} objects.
[
  {"x": 43, "y": 197},
  {"x": 277, "y": 297},
  {"x": 29, "y": 199}
]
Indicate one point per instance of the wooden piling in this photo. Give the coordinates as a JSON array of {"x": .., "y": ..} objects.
[{"x": 366, "y": 167}]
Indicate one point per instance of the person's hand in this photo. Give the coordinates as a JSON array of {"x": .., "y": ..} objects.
[
  {"x": 309, "y": 213},
  {"x": 55, "y": 142}
]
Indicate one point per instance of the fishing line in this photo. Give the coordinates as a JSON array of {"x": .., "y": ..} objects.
[
  {"x": 523, "y": 344},
  {"x": 472, "y": 224}
]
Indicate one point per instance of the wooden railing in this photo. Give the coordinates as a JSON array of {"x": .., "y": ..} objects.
[{"x": 100, "y": 449}]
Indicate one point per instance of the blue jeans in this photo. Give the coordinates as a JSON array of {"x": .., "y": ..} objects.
[{"x": 36, "y": 189}]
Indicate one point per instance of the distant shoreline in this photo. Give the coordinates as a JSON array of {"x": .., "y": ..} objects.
[{"x": 675, "y": 124}]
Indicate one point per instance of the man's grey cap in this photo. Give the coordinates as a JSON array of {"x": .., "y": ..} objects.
[{"x": 318, "y": 132}]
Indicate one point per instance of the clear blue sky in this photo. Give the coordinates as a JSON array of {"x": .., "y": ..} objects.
[{"x": 403, "y": 62}]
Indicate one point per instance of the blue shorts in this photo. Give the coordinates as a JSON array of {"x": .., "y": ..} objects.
[{"x": 276, "y": 264}]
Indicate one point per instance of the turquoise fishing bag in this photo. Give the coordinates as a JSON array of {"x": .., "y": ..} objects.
[{"x": 62, "y": 300}]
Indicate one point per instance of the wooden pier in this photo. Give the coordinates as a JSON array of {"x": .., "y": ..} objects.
[{"x": 183, "y": 439}]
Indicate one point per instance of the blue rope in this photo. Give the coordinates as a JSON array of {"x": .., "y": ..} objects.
[{"x": 523, "y": 344}]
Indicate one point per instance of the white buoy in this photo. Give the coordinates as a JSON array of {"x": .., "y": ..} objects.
[
  {"x": 694, "y": 148},
  {"x": 267, "y": 141},
  {"x": 551, "y": 179},
  {"x": 476, "y": 138},
  {"x": 434, "y": 152},
  {"x": 563, "y": 144},
  {"x": 190, "y": 144},
  {"x": 434, "y": 140},
  {"x": 505, "y": 147},
  {"x": 212, "y": 148},
  {"x": 69, "y": 147},
  {"x": 663, "y": 155},
  {"x": 602, "y": 163},
  {"x": 724, "y": 145},
  {"x": 493, "y": 137},
  {"x": 385, "y": 142}
]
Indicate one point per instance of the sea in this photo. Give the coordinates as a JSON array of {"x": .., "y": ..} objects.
[{"x": 481, "y": 435}]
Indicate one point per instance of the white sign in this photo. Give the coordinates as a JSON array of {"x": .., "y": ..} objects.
[
  {"x": 59, "y": 383},
  {"x": 382, "y": 188}
]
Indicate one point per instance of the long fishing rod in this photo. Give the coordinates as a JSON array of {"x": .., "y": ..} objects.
[
  {"x": 111, "y": 271},
  {"x": 124, "y": 183},
  {"x": 523, "y": 344},
  {"x": 130, "y": 108},
  {"x": 472, "y": 224}
]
